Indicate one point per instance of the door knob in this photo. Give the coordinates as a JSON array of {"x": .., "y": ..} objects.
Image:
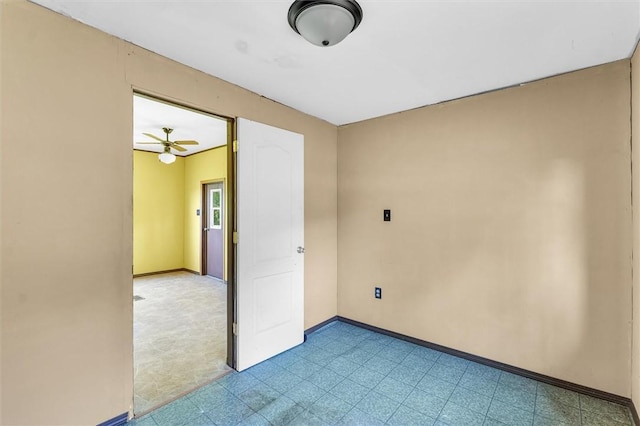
[{"x": 300, "y": 249}]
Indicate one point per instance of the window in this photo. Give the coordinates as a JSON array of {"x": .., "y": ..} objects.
[{"x": 215, "y": 209}]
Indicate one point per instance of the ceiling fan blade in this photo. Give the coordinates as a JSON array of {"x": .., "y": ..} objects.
[
  {"x": 178, "y": 148},
  {"x": 148, "y": 143},
  {"x": 189, "y": 142},
  {"x": 154, "y": 137}
]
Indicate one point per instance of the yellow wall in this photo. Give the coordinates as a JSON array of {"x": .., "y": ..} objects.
[
  {"x": 158, "y": 213},
  {"x": 511, "y": 225},
  {"x": 66, "y": 254},
  {"x": 205, "y": 166},
  {"x": 166, "y": 229}
]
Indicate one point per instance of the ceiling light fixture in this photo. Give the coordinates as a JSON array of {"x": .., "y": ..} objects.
[
  {"x": 167, "y": 157},
  {"x": 324, "y": 22}
]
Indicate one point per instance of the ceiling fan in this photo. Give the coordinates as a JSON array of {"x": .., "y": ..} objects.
[
  {"x": 166, "y": 156},
  {"x": 166, "y": 142}
]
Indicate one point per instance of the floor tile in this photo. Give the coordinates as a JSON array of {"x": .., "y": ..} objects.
[
  {"x": 325, "y": 379},
  {"x": 320, "y": 356},
  {"x": 483, "y": 371},
  {"x": 319, "y": 339},
  {"x": 427, "y": 354},
  {"x": 176, "y": 413},
  {"x": 343, "y": 366},
  {"x": 393, "y": 389},
  {"x": 453, "y": 414},
  {"x": 230, "y": 414},
  {"x": 597, "y": 419},
  {"x": 378, "y": 405},
  {"x": 366, "y": 377},
  {"x": 405, "y": 416},
  {"x": 285, "y": 359},
  {"x": 372, "y": 347},
  {"x": 330, "y": 409},
  {"x": 555, "y": 393},
  {"x": 303, "y": 368},
  {"x": 416, "y": 362},
  {"x": 281, "y": 411},
  {"x": 306, "y": 418},
  {"x": 553, "y": 409},
  {"x": 337, "y": 348},
  {"x": 384, "y": 339},
  {"x": 436, "y": 387},
  {"x": 478, "y": 384},
  {"x": 509, "y": 414},
  {"x": 446, "y": 372},
  {"x": 211, "y": 397},
  {"x": 202, "y": 420},
  {"x": 380, "y": 365},
  {"x": 453, "y": 361},
  {"x": 237, "y": 383},
  {"x": 546, "y": 421},
  {"x": 264, "y": 370},
  {"x": 493, "y": 422},
  {"x": 349, "y": 391},
  {"x": 424, "y": 403},
  {"x": 469, "y": 399},
  {"x": 516, "y": 397},
  {"x": 517, "y": 382},
  {"x": 606, "y": 408},
  {"x": 360, "y": 388},
  {"x": 395, "y": 354},
  {"x": 305, "y": 393},
  {"x": 357, "y": 417},
  {"x": 284, "y": 381},
  {"x": 357, "y": 355},
  {"x": 259, "y": 396},
  {"x": 406, "y": 375},
  {"x": 254, "y": 420}
]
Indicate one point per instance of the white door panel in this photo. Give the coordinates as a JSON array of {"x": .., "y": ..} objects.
[{"x": 270, "y": 271}]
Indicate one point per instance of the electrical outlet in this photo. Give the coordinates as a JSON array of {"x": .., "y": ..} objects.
[{"x": 378, "y": 293}]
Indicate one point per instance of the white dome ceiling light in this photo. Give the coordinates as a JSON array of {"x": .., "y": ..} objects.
[{"x": 324, "y": 22}]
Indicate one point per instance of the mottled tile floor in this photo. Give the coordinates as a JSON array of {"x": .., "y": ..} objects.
[
  {"x": 346, "y": 375},
  {"x": 180, "y": 340}
]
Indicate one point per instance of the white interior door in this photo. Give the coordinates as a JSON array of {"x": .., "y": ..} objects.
[{"x": 270, "y": 249}]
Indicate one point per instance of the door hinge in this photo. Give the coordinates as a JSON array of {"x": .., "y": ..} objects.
[
  {"x": 234, "y": 328},
  {"x": 235, "y": 146},
  {"x": 235, "y": 237}
]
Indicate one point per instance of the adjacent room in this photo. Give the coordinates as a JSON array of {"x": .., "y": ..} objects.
[
  {"x": 179, "y": 286},
  {"x": 470, "y": 176}
]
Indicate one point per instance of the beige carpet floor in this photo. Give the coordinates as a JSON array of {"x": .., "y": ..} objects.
[{"x": 180, "y": 340}]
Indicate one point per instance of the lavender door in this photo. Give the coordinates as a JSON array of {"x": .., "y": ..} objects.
[{"x": 214, "y": 230}]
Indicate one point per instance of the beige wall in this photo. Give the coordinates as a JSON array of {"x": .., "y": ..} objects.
[
  {"x": 635, "y": 149},
  {"x": 510, "y": 233},
  {"x": 66, "y": 176}
]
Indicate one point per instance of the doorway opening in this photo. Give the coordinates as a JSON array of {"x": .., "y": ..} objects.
[{"x": 182, "y": 311}]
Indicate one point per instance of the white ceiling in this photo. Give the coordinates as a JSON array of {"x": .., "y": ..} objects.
[
  {"x": 405, "y": 54},
  {"x": 150, "y": 116}
]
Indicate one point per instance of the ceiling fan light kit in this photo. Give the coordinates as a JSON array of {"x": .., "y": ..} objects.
[
  {"x": 167, "y": 157},
  {"x": 324, "y": 22}
]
